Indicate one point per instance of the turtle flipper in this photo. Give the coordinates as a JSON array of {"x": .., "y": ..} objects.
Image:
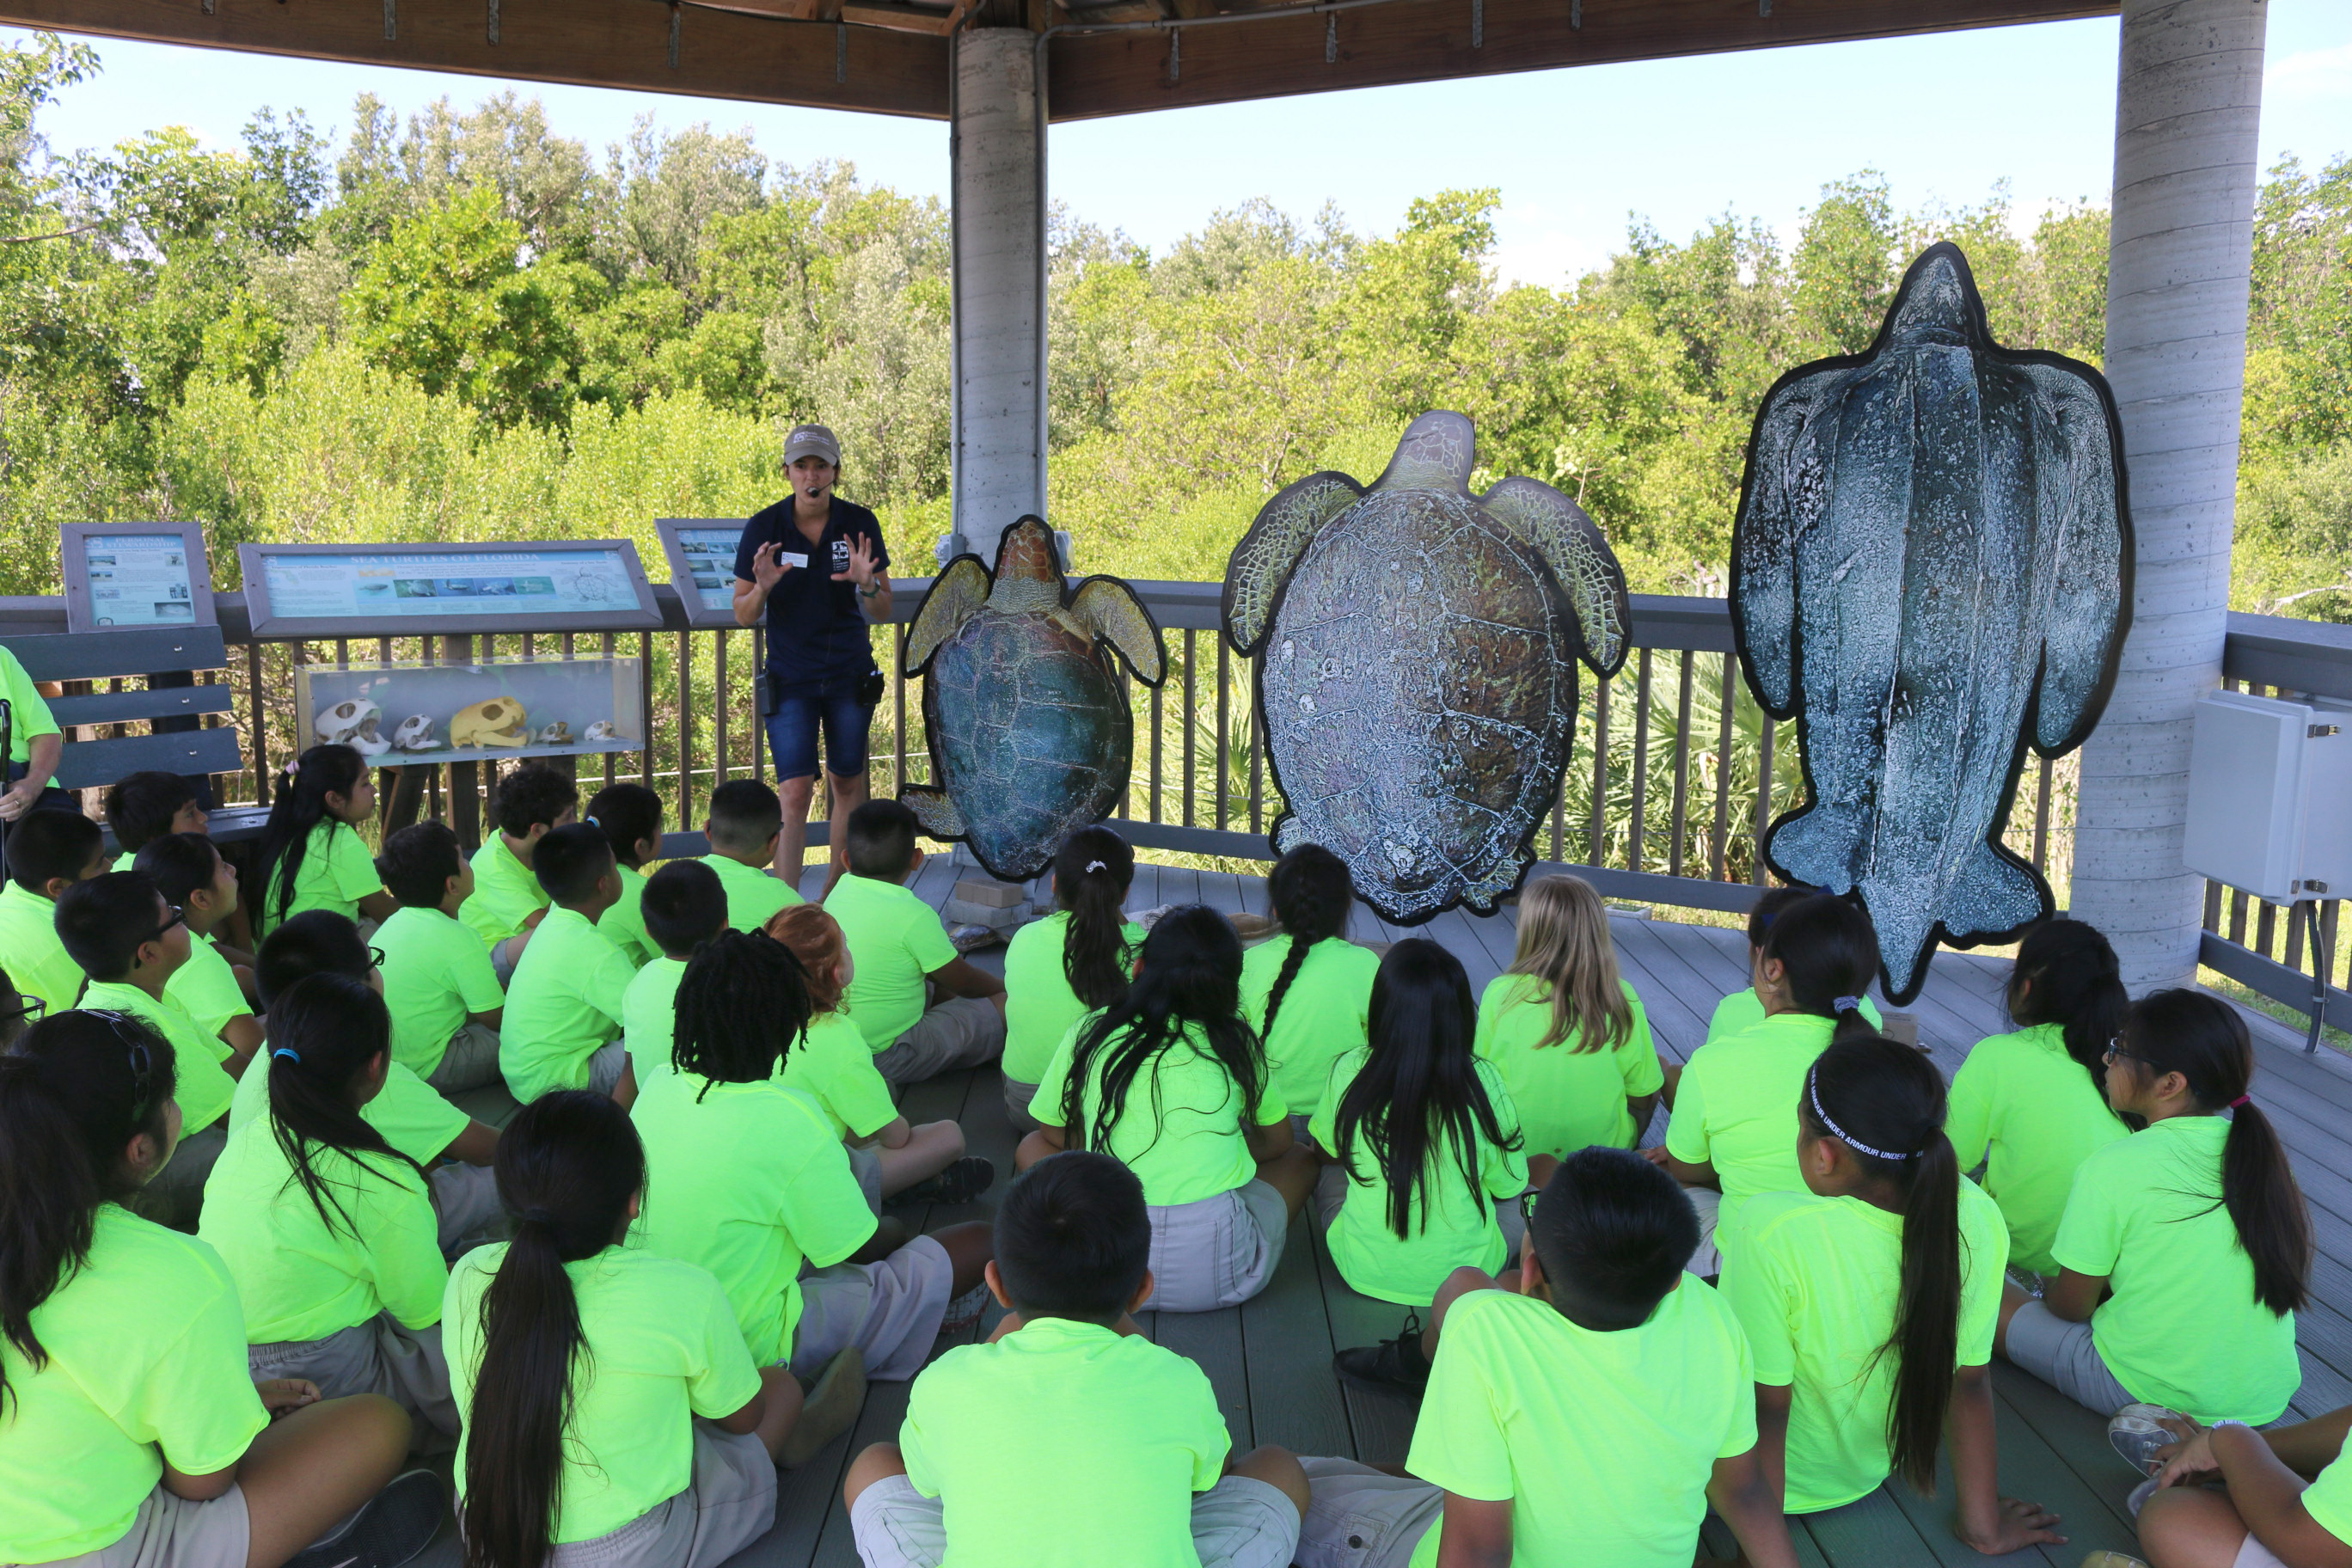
[
  {"x": 1109, "y": 608},
  {"x": 934, "y": 812},
  {"x": 959, "y": 592},
  {"x": 1557, "y": 528},
  {"x": 1262, "y": 561}
]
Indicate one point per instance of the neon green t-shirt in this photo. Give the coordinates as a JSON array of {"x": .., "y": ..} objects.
[
  {"x": 624, "y": 922},
  {"x": 662, "y": 1348},
  {"x": 649, "y": 1017},
  {"x": 1743, "y": 1010},
  {"x": 2027, "y": 1109},
  {"x": 408, "y": 1112},
  {"x": 29, "y": 715},
  {"x": 1196, "y": 1147},
  {"x": 1454, "y": 1226},
  {"x": 300, "y": 1280},
  {"x": 435, "y": 974},
  {"x": 748, "y": 1180},
  {"x": 205, "y": 1088},
  {"x": 2328, "y": 1499},
  {"x": 1604, "y": 1443},
  {"x": 1007, "y": 1434},
  {"x": 894, "y": 941},
  {"x": 752, "y": 895},
  {"x": 563, "y": 1004},
  {"x": 206, "y": 987},
  {"x": 337, "y": 872},
  {"x": 506, "y": 893},
  {"x": 1815, "y": 1283},
  {"x": 1737, "y": 1109},
  {"x": 831, "y": 1065},
  {"x": 1039, "y": 1005},
  {"x": 1567, "y": 1100},
  {"x": 2182, "y": 1329},
  {"x": 37, "y": 962},
  {"x": 1322, "y": 1017},
  {"x": 146, "y": 1365}
]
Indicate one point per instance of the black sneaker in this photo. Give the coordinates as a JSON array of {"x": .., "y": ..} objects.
[
  {"x": 389, "y": 1530},
  {"x": 1395, "y": 1365},
  {"x": 960, "y": 1182}
]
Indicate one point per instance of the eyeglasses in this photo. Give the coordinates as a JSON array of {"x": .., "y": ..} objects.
[
  {"x": 172, "y": 915},
  {"x": 1527, "y": 1207},
  {"x": 131, "y": 1031},
  {"x": 376, "y": 957},
  {"x": 2116, "y": 1050},
  {"x": 29, "y": 1008}
]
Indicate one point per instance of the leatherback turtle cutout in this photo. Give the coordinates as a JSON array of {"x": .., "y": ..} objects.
[
  {"x": 1028, "y": 723},
  {"x": 1416, "y": 650},
  {"x": 1931, "y": 572}
]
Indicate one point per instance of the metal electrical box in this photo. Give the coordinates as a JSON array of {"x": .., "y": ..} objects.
[{"x": 2270, "y": 796}]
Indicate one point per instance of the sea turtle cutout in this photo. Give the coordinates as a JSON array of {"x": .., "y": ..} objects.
[
  {"x": 1027, "y": 720},
  {"x": 1931, "y": 572},
  {"x": 1416, "y": 649}
]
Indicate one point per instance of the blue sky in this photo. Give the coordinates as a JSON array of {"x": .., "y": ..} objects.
[{"x": 1571, "y": 150}]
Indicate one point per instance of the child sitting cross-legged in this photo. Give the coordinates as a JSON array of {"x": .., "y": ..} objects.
[
  {"x": 750, "y": 1181},
  {"x": 683, "y": 905},
  {"x": 1067, "y": 1403},
  {"x": 1586, "y": 1407},
  {"x": 143, "y": 806},
  {"x": 745, "y": 818},
  {"x": 312, "y": 855},
  {"x": 508, "y": 902},
  {"x": 438, "y": 980},
  {"x": 562, "y": 1020},
  {"x": 49, "y": 851},
  {"x": 1172, "y": 1082},
  {"x": 1306, "y": 992},
  {"x": 193, "y": 876},
  {"x": 631, "y": 816},
  {"x": 830, "y": 1063},
  {"x": 1743, "y": 1008},
  {"x": 1070, "y": 964},
  {"x": 2285, "y": 1499}
]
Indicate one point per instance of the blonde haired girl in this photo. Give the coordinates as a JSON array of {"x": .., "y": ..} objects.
[{"x": 1568, "y": 1035}]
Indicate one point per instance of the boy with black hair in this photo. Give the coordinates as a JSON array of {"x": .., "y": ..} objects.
[
  {"x": 130, "y": 943},
  {"x": 1067, "y": 1400},
  {"x": 898, "y": 950},
  {"x": 143, "y": 806},
  {"x": 1597, "y": 1395},
  {"x": 563, "y": 1006},
  {"x": 684, "y": 906},
  {"x": 508, "y": 902},
  {"x": 631, "y": 816},
  {"x": 49, "y": 851},
  {"x": 745, "y": 818},
  {"x": 413, "y": 1117},
  {"x": 189, "y": 870},
  {"x": 439, "y": 982}
]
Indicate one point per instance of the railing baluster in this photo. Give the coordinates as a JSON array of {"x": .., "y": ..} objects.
[
  {"x": 1759, "y": 876},
  {"x": 259, "y": 727},
  {"x": 685, "y": 730},
  {"x": 612, "y": 758},
  {"x": 898, "y": 686},
  {"x": 1641, "y": 763},
  {"x": 1192, "y": 706},
  {"x": 2238, "y": 903},
  {"x": 1594, "y": 840},
  {"x": 1159, "y": 697},
  {"x": 718, "y": 707},
  {"x": 465, "y": 801},
  {"x": 645, "y": 714},
  {"x": 1257, "y": 767},
  {"x": 1719, "y": 851},
  {"x": 1682, "y": 763},
  {"x": 2265, "y": 926},
  {"x": 1224, "y": 726}
]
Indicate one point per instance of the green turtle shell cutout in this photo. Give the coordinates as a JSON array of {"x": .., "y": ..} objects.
[
  {"x": 1931, "y": 572},
  {"x": 1415, "y": 650},
  {"x": 1029, "y": 728}
]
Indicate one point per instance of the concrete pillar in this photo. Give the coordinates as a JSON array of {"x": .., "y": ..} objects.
[
  {"x": 997, "y": 150},
  {"x": 2188, "y": 103}
]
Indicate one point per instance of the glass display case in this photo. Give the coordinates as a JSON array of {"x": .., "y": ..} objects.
[{"x": 398, "y": 714}]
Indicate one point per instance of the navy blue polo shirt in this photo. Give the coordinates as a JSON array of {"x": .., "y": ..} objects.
[{"x": 815, "y": 630}]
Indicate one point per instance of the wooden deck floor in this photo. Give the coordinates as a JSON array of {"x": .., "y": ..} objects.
[{"x": 1270, "y": 1359}]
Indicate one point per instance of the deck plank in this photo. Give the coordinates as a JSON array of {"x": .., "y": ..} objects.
[
  {"x": 1213, "y": 1340},
  {"x": 1287, "y": 1344}
]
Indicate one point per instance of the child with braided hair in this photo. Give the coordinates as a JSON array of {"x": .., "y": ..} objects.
[
  {"x": 1309, "y": 992},
  {"x": 1075, "y": 962}
]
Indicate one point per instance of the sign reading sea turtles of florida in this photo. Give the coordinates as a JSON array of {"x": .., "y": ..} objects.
[{"x": 1416, "y": 649}]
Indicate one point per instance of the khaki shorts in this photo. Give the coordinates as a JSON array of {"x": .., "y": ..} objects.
[
  {"x": 176, "y": 1194},
  {"x": 173, "y": 1532},
  {"x": 605, "y": 1067},
  {"x": 866, "y": 1164},
  {"x": 2254, "y": 1554},
  {"x": 1240, "y": 1523},
  {"x": 1017, "y": 1097},
  {"x": 380, "y": 1356},
  {"x": 1358, "y": 1517},
  {"x": 891, "y": 1311},
  {"x": 729, "y": 1504},
  {"x": 1217, "y": 1252},
  {"x": 961, "y": 1032},
  {"x": 470, "y": 1061},
  {"x": 465, "y": 1202},
  {"x": 1707, "y": 1261},
  {"x": 2063, "y": 1355}
]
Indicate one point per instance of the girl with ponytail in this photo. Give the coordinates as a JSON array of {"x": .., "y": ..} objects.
[
  {"x": 1075, "y": 962},
  {"x": 580, "y": 1366},
  {"x": 121, "y": 1345},
  {"x": 2031, "y": 1105},
  {"x": 312, "y": 855},
  {"x": 1870, "y": 1298},
  {"x": 1309, "y": 992},
  {"x": 330, "y": 1232},
  {"x": 1172, "y": 1082},
  {"x": 1733, "y": 1133},
  {"x": 2185, "y": 1248}
]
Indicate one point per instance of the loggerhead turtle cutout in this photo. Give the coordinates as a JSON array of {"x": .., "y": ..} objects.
[
  {"x": 1027, "y": 720},
  {"x": 1931, "y": 571},
  {"x": 1416, "y": 650}
]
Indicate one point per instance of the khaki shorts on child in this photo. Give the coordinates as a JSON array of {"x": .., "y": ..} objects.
[
  {"x": 1217, "y": 1252},
  {"x": 1240, "y": 1523},
  {"x": 173, "y": 1532},
  {"x": 1017, "y": 1097},
  {"x": 471, "y": 1060},
  {"x": 466, "y": 1204},
  {"x": 961, "y": 1032},
  {"x": 2063, "y": 1355},
  {"x": 1358, "y": 1517},
  {"x": 891, "y": 1311},
  {"x": 605, "y": 1067},
  {"x": 729, "y": 1504},
  {"x": 1707, "y": 1261},
  {"x": 2254, "y": 1554},
  {"x": 380, "y": 1356},
  {"x": 866, "y": 1164}
]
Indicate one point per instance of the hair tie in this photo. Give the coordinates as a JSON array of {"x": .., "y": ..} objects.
[
  {"x": 1846, "y": 1004},
  {"x": 289, "y": 1053},
  {"x": 1813, "y": 1093},
  {"x": 2241, "y": 1099},
  {"x": 1096, "y": 866},
  {"x": 536, "y": 1217}
]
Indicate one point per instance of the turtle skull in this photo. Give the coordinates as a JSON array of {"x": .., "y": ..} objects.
[
  {"x": 500, "y": 721},
  {"x": 415, "y": 734},
  {"x": 341, "y": 724},
  {"x": 601, "y": 730},
  {"x": 559, "y": 734}
]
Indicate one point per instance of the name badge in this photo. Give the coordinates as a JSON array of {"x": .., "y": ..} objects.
[
  {"x": 841, "y": 555},
  {"x": 793, "y": 558}
]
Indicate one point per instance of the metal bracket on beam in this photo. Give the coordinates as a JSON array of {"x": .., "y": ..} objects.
[
  {"x": 1576, "y": 14},
  {"x": 676, "y": 20},
  {"x": 841, "y": 51},
  {"x": 1330, "y": 37},
  {"x": 1763, "y": 8},
  {"x": 391, "y": 18},
  {"x": 1175, "y": 54},
  {"x": 494, "y": 21},
  {"x": 1477, "y": 23}
]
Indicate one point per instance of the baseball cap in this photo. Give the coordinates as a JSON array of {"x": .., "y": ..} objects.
[{"x": 811, "y": 441}]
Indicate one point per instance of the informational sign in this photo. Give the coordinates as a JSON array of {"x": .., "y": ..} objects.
[
  {"x": 585, "y": 586},
  {"x": 135, "y": 575},
  {"x": 701, "y": 551}
]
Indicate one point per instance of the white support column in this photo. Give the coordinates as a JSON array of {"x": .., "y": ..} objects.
[
  {"x": 2187, "y": 104},
  {"x": 997, "y": 150}
]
